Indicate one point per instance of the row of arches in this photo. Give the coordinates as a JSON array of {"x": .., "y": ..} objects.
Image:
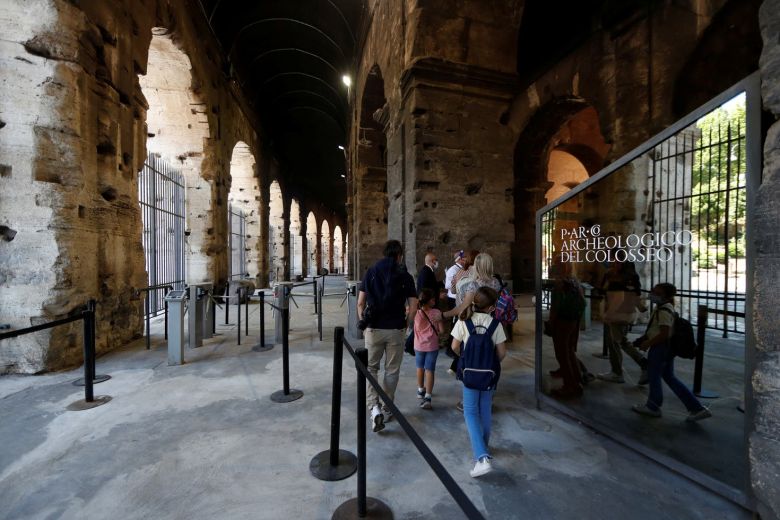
[{"x": 238, "y": 223}]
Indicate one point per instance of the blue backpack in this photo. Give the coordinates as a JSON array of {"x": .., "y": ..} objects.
[{"x": 479, "y": 367}]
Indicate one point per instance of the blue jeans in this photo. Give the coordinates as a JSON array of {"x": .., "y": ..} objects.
[
  {"x": 426, "y": 360},
  {"x": 660, "y": 365},
  {"x": 477, "y": 412}
]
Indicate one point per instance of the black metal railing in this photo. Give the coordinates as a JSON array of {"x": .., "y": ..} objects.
[
  {"x": 362, "y": 504},
  {"x": 87, "y": 315}
]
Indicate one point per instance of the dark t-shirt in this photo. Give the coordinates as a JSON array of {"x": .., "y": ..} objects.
[{"x": 386, "y": 275}]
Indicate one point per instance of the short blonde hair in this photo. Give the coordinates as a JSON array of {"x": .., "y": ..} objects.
[{"x": 483, "y": 265}]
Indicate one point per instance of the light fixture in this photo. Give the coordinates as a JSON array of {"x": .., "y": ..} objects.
[
  {"x": 346, "y": 80},
  {"x": 341, "y": 148},
  {"x": 343, "y": 176}
]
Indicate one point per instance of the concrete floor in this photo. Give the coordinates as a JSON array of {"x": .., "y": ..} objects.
[{"x": 203, "y": 440}]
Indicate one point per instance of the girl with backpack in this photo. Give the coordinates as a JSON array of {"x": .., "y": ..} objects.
[
  {"x": 660, "y": 358},
  {"x": 427, "y": 328},
  {"x": 479, "y": 339}
]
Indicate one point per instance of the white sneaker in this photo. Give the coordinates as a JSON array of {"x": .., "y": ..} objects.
[
  {"x": 642, "y": 409},
  {"x": 420, "y": 393},
  {"x": 482, "y": 467},
  {"x": 611, "y": 377},
  {"x": 704, "y": 413},
  {"x": 377, "y": 419}
]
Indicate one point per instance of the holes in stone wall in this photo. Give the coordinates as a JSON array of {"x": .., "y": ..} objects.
[
  {"x": 5, "y": 170},
  {"x": 473, "y": 188},
  {"x": 109, "y": 194},
  {"x": 7, "y": 233}
]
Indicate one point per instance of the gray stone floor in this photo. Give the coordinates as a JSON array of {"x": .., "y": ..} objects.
[{"x": 203, "y": 440}]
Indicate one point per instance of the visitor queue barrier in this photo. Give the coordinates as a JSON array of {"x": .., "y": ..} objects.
[
  {"x": 87, "y": 315},
  {"x": 147, "y": 310},
  {"x": 363, "y": 506}
]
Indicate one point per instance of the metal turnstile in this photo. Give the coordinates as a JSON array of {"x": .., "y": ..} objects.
[
  {"x": 195, "y": 316},
  {"x": 282, "y": 292},
  {"x": 206, "y": 308},
  {"x": 176, "y": 301},
  {"x": 353, "y": 287}
]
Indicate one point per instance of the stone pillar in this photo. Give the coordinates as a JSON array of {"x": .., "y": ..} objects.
[
  {"x": 765, "y": 378},
  {"x": 452, "y": 187}
]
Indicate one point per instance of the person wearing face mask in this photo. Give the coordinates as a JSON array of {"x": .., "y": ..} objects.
[
  {"x": 426, "y": 278},
  {"x": 660, "y": 358}
]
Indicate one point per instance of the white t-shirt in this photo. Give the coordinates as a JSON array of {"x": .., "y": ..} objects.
[
  {"x": 461, "y": 332},
  {"x": 663, "y": 316},
  {"x": 450, "y": 273}
]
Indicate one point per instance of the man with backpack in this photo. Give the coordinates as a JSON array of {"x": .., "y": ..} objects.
[{"x": 384, "y": 294}]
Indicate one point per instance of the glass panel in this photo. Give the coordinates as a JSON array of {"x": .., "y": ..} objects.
[{"x": 674, "y": 215}]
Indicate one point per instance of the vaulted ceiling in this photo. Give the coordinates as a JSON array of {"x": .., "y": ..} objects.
[{"x": 289, "y": 56}]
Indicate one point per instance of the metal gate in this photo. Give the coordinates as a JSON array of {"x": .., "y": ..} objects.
[
  {"x": 237, "y": 242},
  {"x": 161, "y": 196},
  {"x": 698, "y": 184}
]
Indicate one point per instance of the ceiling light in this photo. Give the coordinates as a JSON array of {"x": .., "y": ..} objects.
[
  {"x": 347, "y": 80},
  {"x": 343, "y": 176},
  {"x": 341, "y": 148}
]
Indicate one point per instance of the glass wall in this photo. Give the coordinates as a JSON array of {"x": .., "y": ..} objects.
[{"x": 670, "y": 219}]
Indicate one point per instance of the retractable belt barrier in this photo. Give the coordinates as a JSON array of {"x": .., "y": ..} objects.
[
  {"x": 88, "y": 316},
  {"x": 363, "y": 506}
]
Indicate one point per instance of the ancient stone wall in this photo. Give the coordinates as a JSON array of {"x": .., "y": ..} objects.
[
  {"x": 73, "y": 139},
  {"x": 765, "y": 437}
]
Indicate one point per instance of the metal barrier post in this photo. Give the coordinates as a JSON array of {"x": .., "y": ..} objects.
[
  {"x": 261, "y": 346},
  {"x": 315, "y": 292},
  {"x": 335, "y": 464},
  {"x": 165, "y": 305},
  {"x": 238, "y": 297},
  {"x": 286, "y": 395},
  {"x": 148, "y": 327},
  {"x": 246, "y": 310},
  {"x": 698, "y": 369},
  {"x": 319, "y": 314},
  {"x": 96, "y": 378},
  {"x": 89, "y": 401},
  {"x": 362, "y": 506}
]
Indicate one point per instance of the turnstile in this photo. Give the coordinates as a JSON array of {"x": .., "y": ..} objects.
[
  {"x": 282, "y": 292},
  {"x": 353, "y": 288},
  {"x": 176, "y": 301},
  {"x": 195, "y": 314},
  {"x": 204, "y": 293}
]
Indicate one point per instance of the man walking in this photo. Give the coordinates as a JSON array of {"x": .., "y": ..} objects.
[
  {"x": 386, "y": 289},
  {"x": 426, "y": 278}
]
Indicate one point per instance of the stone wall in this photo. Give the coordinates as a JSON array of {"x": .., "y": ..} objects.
[
  {"x": 765, "y": 437},
  {"x": 73, "y": 122}
]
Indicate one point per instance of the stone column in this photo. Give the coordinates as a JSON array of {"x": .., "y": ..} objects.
[{"x": 452, "y": 186}]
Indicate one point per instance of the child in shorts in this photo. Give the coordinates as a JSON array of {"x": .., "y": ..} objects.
[{"x": 427, "y": 328}]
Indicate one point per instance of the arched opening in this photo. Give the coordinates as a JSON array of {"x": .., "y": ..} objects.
[
  {"x": 276, "y": 233},
  {"x": 175, "y": 199},
  {"x": 370, "y": 175},
  {"x": 296, "y": 240},
  {"x": 244, "y": 214},
  {"x": 560, "y": 147},
  {"x": 326, "y": 247},
  {"x": 311, "y": 244},
  {"x": 346, "y": 254},
  {"x": 338, "y": 250}
]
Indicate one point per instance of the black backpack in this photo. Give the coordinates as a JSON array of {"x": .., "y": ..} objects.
[
  {"x": 683, "y": 340},
  {"x": 478, "y": 366}
]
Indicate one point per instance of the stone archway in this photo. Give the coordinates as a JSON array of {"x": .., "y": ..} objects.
[
  {"x": 369, "y": 183},
  {"x": 338, "y": 250},
  {"x": 276, "y": 233},
  {"x": 561, "y": 141},
  {"x": 177, "y": 129},
  {"x": 296, "y": 241},
  {"x": 327, "y": 248},
  {"x": 312, "y": 252},
  {"x": 245, "y": 195}
]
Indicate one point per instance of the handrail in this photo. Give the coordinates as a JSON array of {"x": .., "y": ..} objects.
[
  {"x": 466, "y": 505},
  {"x": 42, "y": 326}
]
